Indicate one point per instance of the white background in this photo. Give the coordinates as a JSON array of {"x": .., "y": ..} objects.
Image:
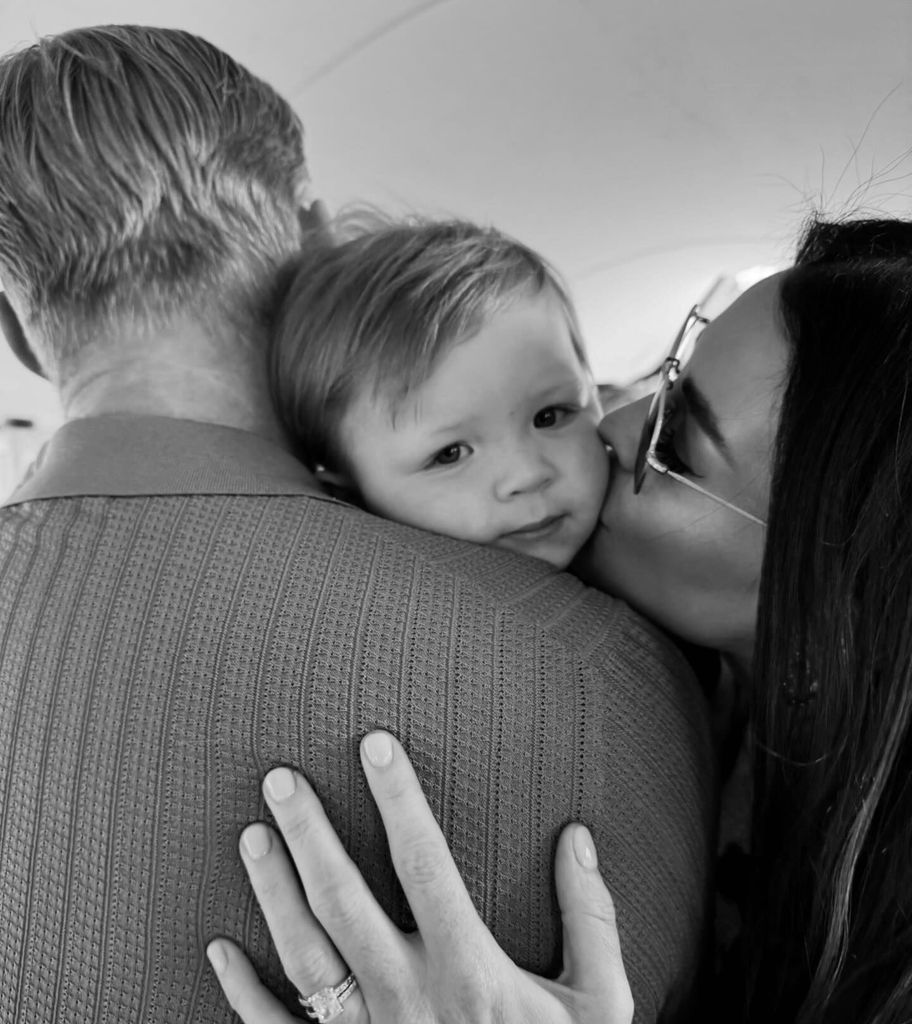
[{"x": 645, "y": 146}]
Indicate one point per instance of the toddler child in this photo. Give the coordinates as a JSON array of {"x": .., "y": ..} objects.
[{"x": 433, "y": 372}]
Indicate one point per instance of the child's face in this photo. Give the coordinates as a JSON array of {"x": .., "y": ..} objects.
[{"x": 498, "y": 446}]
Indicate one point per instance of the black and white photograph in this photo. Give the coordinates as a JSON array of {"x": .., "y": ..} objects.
[{"x": 455, "y": 501}]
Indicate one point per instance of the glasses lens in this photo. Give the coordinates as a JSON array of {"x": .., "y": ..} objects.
[
  {"x": 658, "y": 399},
  {"x": 655, "y": 406}
]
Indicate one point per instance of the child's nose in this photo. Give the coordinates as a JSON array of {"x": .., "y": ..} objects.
[
  {"x": 526, "y": 470},
  {"x": 621, "y": 430}
]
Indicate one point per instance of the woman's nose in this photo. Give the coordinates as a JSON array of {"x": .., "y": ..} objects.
[{"x": 621, "y": 428}]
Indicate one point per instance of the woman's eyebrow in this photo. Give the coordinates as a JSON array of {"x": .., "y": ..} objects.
[{"x": 702, "y": 412}]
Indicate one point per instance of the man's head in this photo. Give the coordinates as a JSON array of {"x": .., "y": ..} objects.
[
  {"x": 144, "y": 176},
  {"x": 435, "y": 372}
]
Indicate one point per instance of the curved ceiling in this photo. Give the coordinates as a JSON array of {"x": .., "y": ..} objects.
[{"x": 644, "y": 147}]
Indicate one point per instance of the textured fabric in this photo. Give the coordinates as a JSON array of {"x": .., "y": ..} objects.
[
  {"x": 137, "y": 455},
  {"x": 159, "y": 654}
]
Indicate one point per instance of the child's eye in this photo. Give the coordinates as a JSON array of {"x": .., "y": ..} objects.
[
  {"x": 450, "y": 455},
  {"x": 551, "y": 416}
]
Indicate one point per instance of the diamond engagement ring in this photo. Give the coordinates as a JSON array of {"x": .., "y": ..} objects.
[{"x": 326, "y": 1004}]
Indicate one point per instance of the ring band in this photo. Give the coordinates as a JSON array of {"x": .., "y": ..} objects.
[{"x": 326, "y": 1004}]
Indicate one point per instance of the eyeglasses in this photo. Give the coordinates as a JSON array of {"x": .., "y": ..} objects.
[{"x": 655, "y": 418}]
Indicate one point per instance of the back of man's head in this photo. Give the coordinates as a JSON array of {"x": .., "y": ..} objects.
[{"x": 144, "y": 175}]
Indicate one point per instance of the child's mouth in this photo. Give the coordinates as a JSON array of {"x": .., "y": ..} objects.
[{"x": 540, "y": 527}]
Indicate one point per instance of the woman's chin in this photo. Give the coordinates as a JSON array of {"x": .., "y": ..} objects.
[
  {"x": 606, "y": 563},
  {"x": 589, "y": 563}
]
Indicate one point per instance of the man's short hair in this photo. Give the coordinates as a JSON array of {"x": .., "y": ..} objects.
[
  {"x": 143, "y": 172},
  {"x": 379, "y": 308}
]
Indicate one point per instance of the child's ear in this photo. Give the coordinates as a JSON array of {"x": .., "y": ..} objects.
[{"x": 335, "y": 483}]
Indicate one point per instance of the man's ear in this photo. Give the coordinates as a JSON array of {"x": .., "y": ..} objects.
[
  {"x": 314, "y": 221},
  {"x": 11, "y": 327},
  {"x": 337, "y": 484}
]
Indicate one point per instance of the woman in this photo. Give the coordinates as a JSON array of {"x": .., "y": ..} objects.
[{"x": 763, "y": 513}]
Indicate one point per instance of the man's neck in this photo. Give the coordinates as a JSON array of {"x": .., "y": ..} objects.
[{"x": 179, "y": 374}]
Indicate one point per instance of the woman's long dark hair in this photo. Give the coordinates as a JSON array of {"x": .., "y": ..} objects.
[{"x": 829, "y": 922}]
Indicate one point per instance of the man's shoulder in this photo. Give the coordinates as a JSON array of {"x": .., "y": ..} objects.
[
  {"x": 377, "y": 559},
  {"x": 344, "y": 535},
  {"x": 301, "y": 549},
  {"x": 279, "y": 539}
]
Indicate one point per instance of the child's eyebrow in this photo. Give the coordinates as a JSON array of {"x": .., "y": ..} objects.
[
  {"x": 449, "y": 428},
  {"x": 569, "y": 384}
]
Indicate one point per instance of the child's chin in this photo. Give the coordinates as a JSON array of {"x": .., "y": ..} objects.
[
  {"x": 561, "y": 563},
  {"x": 557, "y": 560}
]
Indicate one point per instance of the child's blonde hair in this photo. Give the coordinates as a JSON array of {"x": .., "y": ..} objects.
[{"x": 379, "y": 308}]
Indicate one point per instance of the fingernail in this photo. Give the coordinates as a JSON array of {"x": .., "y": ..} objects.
[
  {"x": 217, "y": 957},
  {"x": 584, "y": 848},
  {"x": 280, "y": 784},
  {"x": 378, "y": 749},
  {"x": 256, "y": 840}
]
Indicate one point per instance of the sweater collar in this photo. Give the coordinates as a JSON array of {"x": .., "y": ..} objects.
[{"x": 131, "y": 456}]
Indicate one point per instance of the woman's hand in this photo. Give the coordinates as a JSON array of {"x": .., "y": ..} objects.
[{"x": 450, "y": 969}]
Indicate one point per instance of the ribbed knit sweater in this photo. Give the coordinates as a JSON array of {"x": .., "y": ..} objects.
[{"x": 180, "y": 610}]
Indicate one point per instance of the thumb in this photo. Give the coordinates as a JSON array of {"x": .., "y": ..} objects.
[{"x": 592, "y": 949}]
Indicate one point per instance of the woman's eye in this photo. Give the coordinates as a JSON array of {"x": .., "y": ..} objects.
[
  {"x": 450, "y": 455},
  {"x": 666, "y": 451},
  {"x": 551, "y": 416}
]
